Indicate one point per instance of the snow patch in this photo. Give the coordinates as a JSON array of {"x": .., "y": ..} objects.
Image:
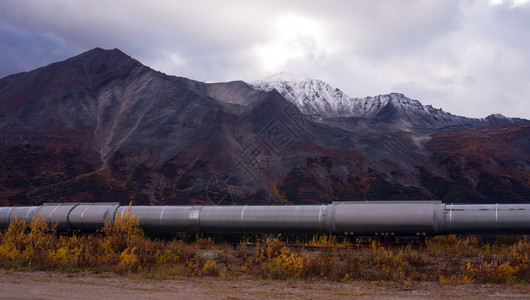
[{"x": 315, "y": 97}]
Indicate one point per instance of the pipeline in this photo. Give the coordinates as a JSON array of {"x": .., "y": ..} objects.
[{"x": 403, "y": 218}]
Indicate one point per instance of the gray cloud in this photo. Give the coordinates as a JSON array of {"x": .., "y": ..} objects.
[{"x": 467, "y": 57}]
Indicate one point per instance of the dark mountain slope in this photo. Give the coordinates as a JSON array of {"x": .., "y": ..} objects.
[
  {"x": 490, "y": 164},
  {"x": 102, "y": 127}
]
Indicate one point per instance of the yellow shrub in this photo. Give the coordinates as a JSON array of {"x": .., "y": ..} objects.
[
  {"x": 210, "y": 269},
  {"x": 197, "y": 266},
  {"x": 285, "y": 265},
  {"x": 129, "y": 260},
  {"x": 8, "y": 252}
]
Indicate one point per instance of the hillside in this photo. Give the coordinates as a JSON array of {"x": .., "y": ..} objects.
[{"x": 103, "y": 127}]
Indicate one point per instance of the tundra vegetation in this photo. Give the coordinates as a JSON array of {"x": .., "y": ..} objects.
[{"x": 124, "y": 249}]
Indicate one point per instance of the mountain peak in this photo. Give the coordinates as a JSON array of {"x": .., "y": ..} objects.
[
  {"x": 312, "y": 96},
  {"x": 99, "y": 65},
  {"x": 98, "y": 54},
  {"x": 90, "y": 71},
  {"x": 496, "y": 116}
]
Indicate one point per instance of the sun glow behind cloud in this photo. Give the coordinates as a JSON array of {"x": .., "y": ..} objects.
[
  {"x": 294, "y": 37},
  {"x": 513, "y": 3}
]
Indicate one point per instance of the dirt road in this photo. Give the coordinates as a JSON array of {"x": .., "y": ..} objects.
[{"x": 47, "y": 285}]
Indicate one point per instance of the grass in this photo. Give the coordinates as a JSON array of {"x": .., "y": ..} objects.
[{"x": 123, "y": 248}]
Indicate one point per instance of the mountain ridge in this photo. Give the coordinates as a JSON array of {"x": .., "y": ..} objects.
[
  {"x": 103, "y": 127},
  {"x": 315, "y": 97}
]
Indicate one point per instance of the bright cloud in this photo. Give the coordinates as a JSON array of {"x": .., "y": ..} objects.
[
  {"x": 293, "y": 37},
  {"x": 512, "y": 3}
]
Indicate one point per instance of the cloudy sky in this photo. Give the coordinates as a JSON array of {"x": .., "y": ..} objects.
[{"x": 470, "y": 58}]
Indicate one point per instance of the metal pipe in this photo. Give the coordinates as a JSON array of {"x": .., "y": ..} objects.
[
  {"x": 488, "y": 218},
  {"x": 340, "y": 218},
  {"x": 295, "y": 218},
  {"x": 388, "y": 217}
]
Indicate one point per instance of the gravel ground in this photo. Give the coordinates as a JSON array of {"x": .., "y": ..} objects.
[{"x": 49, "y": 285}]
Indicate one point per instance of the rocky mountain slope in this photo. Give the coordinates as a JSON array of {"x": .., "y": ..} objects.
[{"x": 102, "y": 127}]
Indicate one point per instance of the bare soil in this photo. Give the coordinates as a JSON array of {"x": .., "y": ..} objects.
[{"x": 50, "y": 285}]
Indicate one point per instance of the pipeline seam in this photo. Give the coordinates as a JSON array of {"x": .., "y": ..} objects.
[
  {"x": 435, "y": 219},
  {"x": 68, "y": 216},
  {"x": 320, "y": 215},
  {"x": 107, "y": 218},
  {"x": 161, "y": 214},
  {"x": 51, "y": 212},
  {"x": 194, "y": 217},
  {"x": 496, "y": 214},
  {"x": 83, "y": 213},
  {"x": 243, "y": 216},
  {"x": 9, "y": 215},
  {"x": 333, "y": 225},
  {"x": 451, "y": 215}
]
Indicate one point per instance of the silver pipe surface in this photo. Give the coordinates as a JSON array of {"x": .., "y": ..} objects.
[
  {"x": 388, "y": 217},
  {"x": 487, "y": 218},
  {"x": 295, "y": 218},
  {"x": 340, "y": 218}
]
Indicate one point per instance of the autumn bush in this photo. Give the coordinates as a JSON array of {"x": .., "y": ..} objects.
[
  {"x": 122, "y": 248},
  {"x": 273, "y": 259}
]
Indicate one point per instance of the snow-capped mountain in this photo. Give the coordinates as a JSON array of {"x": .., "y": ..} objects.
[
  {"x": 315, "y": 97},
  {"x": 393, "y": 107},
  {"x": 312, "y": 96},
  {"x": 102, "y": 127}
]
